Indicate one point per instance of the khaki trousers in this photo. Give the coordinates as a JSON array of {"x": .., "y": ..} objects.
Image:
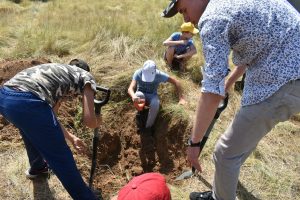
[{"x": 248, "y": 127}]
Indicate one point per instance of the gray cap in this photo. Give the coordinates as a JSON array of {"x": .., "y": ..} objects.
[{"x": 171, "y": 10}]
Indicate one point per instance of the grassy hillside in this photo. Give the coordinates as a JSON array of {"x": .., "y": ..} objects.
[{"x": 116, "y": 37}]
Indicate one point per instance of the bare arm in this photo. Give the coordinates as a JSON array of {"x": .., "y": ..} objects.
[
  {"x": 170, "y": 42},
  {"x": 67, "y": 135},
  {"x": 78, "y": 144},
  {"x": 89, "y": 117},
  {"x": 187, "y": 54},
  {"x": 237, "y": 72},
  {"x": 206, "y": 109},
  {"x": 177, "y": 84},
  {"x": 131, "y": 92},
  {"x": 56, "y": 106}
]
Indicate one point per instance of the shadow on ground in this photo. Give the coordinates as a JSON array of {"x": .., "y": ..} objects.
[
  {"x": 41, "y": 190},
  {"x": 242, "y": 192}
]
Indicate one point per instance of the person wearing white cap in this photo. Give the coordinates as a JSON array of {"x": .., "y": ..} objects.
[
  {"x": 180, "y": 46},
  {"x": 146, "y": 80}
]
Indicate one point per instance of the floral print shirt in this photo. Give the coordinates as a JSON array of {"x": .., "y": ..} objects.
[{"x": 263, "y": 35}]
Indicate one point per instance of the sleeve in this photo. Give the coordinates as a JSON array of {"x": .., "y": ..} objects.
[
  {"x": 191, "y": 42},
  {"x": 175, "y": 36},
  {"x": 162, "y": 77},
  {"x": 216, "y": 48},
  {"x": 88, "y": 78},
  {"x": 135, "y": 75}
]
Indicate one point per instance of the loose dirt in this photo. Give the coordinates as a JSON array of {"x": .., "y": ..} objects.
[{"x": 123, "y": 152}]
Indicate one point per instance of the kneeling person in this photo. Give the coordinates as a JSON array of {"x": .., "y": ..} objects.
[{"x": 180, "y": 46}]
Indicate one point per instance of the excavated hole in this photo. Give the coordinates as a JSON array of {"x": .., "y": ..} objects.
[{"x": 122, "y": 151}]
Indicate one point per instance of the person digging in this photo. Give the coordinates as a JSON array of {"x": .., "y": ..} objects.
[
  {"x": 31, "y": 100},
  {"x": 180, "y": 47}
]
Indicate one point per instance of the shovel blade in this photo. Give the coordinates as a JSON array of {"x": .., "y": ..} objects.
[{"x": 185, "y": 175}]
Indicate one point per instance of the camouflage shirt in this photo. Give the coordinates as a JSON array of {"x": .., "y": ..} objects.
[{"x": 52, "y": 81}]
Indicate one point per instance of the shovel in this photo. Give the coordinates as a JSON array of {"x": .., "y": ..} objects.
[
  {"x": 98, "y": 104},
  {"x": 221, "y": 107}
]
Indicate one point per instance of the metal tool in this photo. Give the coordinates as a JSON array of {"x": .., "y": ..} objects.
[
  {"x": 221, "y": 107},
  {"x": 98, "y": 104}
]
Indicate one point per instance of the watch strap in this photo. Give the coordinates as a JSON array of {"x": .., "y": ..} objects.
[{"x": 191, "y": 144}]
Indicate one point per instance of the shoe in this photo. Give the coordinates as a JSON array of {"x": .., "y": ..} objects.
[
  {"x": 201, "y": 195},
  {"x": 32, "y": 174}
]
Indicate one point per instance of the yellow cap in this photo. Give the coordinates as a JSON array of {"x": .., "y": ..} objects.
[{"x": 189, "y": 27}]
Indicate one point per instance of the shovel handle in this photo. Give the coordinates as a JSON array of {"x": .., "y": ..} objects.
[
  {"x": 94, "y": 156},
  {"x": 101, "y": 102},
  {"x": 220, "y": 109},
  {"x": 98, "y": 103},
  {"x": 222, "y": 106}
]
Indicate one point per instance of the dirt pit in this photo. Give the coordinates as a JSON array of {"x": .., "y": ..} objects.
[{"x": 123, "y": 152}]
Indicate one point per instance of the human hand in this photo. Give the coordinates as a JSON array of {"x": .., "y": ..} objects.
[
  {"x": 79, "y": 145},
  {"x": 192, "y": 157},
  {"x": 114, "y": 197},
  {"x": 178, "y": 56},
  {"x": 140, "y": 100},
  {"x": 184, "y": 42},
  {"x": 135, "y": 99},
  {"x": 182, "y": 101}
]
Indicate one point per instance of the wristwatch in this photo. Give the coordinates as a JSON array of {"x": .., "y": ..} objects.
[{"x": 191, "y": 144}]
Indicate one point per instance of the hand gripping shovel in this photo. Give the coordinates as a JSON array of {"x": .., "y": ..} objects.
[
  {"x": 221, "y": 107},
  {"x": 98, "y": 104}
]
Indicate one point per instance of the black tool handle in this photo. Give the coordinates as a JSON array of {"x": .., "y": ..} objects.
[
  {"x": 220, "y": 109},
  {"x": 98, "y": 103},
  {"x": 222, "y": 106},
  {"x": 204, "y": 139},
  {"x": 94, "y": 156},
  {"x": 101, "y": 102}
]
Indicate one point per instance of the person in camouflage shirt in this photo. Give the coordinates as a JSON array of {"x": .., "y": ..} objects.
[{"x": 31, "y": 99}]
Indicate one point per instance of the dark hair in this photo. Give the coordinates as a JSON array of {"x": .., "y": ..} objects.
[{"x": 80, "y": 63}]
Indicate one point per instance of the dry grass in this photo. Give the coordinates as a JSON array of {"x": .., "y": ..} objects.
[
  {"x": 116, "y": 37},
  {"x": 14, "y": 185}
]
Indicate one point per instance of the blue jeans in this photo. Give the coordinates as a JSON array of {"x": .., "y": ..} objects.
[{"x": 43, "y": 138}]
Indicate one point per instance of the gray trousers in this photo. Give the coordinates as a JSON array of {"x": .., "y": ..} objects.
[
  {"x": 248, "y": 127},
  {"x": 152, "y": 101}
]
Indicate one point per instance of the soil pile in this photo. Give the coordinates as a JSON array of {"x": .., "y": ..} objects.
[{"x": 8, "y": 69}]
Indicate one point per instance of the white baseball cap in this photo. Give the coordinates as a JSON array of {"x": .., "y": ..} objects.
[{"x": 149, "y": 71}]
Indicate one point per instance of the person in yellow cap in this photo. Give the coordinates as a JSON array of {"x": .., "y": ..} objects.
[{"x": 180, "y": 46}]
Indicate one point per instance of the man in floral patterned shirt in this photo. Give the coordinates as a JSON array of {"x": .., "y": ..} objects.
[
  {"x": 264, "y": 37},
  {"x": 31, "y": 99}
]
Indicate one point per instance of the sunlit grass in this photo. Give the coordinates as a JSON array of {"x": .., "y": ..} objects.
[{"x": 116, "y": 37}]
